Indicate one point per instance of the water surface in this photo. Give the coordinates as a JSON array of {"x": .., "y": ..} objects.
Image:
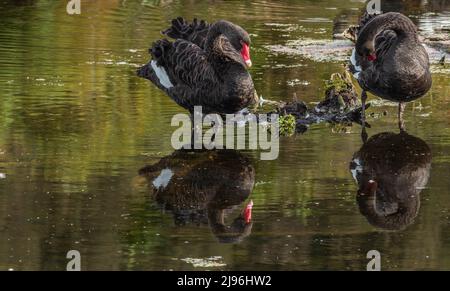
[{"x": 77, "y": 125}]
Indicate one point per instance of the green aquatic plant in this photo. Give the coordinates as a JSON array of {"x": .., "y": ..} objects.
[
  {"x": 287, "y": 124},
  {"x": 340, "y": 95},
  {"x": 338, "y": 83}
]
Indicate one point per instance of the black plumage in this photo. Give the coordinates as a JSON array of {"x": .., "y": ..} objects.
[
  {"x": 391, "y": 170},
  {"x": 206, "y": 66},
  {"x": 202, "y": 186},
  {"x": 389, "y": 60}
]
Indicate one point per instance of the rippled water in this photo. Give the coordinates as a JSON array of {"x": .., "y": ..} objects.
[{"x": 77, "y": 125}]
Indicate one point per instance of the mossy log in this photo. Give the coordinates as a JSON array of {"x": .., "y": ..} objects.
[{"x": 341, "y": 105}]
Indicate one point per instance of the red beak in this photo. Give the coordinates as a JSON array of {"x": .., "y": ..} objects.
[
  {"x": 372, "y": 57},
  {"x": 245, "y": 52},
  {"x": 248, "y": 212}
]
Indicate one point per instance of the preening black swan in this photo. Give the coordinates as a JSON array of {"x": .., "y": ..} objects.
[
  {"x": 391, "y": 170},
  {"x": 390, "y": 61},
  {"x": 206, "y": 66},
  {"x": 202, "y": 186}
]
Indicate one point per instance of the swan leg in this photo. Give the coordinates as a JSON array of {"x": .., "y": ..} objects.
[
  {"x": 401, "y": 121},
  {"x": 364, "y": 134}
]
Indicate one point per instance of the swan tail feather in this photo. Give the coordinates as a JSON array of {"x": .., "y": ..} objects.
[
  {"x": 156, "y": 70},
  {"x": 195, "y": 32}
]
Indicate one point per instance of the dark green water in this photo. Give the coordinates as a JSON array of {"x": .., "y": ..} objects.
[{"x": 76, "y": 126}]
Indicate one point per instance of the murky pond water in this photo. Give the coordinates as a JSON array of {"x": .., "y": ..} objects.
[{"x": 77, "y": 126}]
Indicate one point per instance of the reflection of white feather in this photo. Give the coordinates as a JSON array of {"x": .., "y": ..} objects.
[
  {"x": 162, "y": 75},
  {"x": 355, "y": 64},
  {"x": 163, "y": 179},
  {"x": 261, "y": 101},
  {"x": 356, "y": 169}
]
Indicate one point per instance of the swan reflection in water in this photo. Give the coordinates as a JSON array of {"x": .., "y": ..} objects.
[
  {"x": 391, "y": 170},
  {"x": 203, "y": 187}
]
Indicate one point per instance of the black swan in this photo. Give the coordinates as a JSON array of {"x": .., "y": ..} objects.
[
  {"x": 391, "y": 170},
  {"x": 390, "y": 61},
  {"x": 206, "y": 66},
  {"x": 202, "y": 186}
]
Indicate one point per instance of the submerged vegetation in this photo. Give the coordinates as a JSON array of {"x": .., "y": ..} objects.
[{"x": 338, "y": 83}]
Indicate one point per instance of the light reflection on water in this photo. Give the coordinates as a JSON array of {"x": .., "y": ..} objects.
[{"x": 76, "y": 126}]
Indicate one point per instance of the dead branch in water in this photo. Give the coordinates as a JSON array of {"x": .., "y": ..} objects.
[{"x": 341, "y": 105}]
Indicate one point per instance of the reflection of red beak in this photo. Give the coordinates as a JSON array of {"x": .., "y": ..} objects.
[
  {"x": 373, "y": 185},
  {"x": 248, "y": 212},
  {"x": 370, "y": 188},
  {"x": 245, "y": 52},
  {"x": 372, "y": 57}
]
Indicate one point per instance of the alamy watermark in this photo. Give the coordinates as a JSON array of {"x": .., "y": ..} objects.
[
  {"x": 374, "y": 7},
  {"x": 73, "y": 7},
  {"x": 75, "y": 261},
  {"x": 231, "y": 133},
  {"x": 374, "y": 264}
]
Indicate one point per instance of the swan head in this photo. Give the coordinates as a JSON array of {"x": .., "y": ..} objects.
[
  {"x": 236, "y": 35},
  {"x": 237, "y": 231},
  {"x": 245, "y": 53},
  {"x": 368, "y": 53},
  {"x": 387, "y": 209}
]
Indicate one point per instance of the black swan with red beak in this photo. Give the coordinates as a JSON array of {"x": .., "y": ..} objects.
[
  {"x": 390, "y": 61},
  {"x": 206, "y": 66}
]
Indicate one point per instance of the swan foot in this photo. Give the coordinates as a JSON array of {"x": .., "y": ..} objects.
[{"x": 401, "y": 121}]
